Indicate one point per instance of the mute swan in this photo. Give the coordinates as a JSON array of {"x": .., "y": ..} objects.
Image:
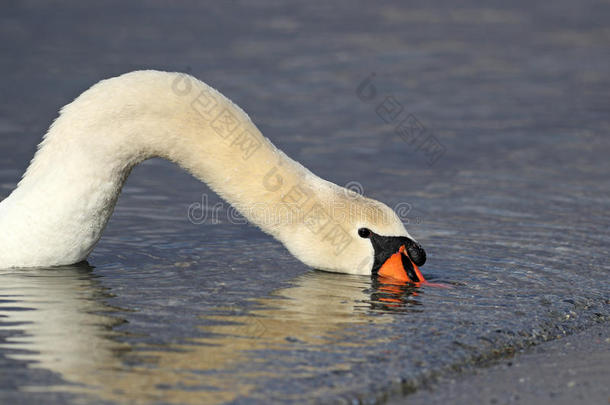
[{"x": 58, "y": 211}]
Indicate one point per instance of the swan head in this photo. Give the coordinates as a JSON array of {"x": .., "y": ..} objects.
[{"x": 346, "y": 232}]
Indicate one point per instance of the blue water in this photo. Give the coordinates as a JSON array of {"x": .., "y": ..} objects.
[{"x": 507, "y": 189}]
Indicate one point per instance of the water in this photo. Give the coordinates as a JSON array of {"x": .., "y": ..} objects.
[{"x": 513, "y": 215}]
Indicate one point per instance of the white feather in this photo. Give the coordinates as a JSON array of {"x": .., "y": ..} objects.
[{"x": 59, "y": 210}]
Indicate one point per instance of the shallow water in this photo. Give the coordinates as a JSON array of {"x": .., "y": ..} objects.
[{"x": 513, "y": 215}]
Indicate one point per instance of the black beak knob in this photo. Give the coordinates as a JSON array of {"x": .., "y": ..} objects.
[{"x": 416, "y": 253}]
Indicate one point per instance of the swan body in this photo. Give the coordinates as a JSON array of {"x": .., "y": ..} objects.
[{"x": 59, "y": 210}]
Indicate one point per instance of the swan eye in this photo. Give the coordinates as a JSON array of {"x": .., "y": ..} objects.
[{"x": 364, "y": 232}]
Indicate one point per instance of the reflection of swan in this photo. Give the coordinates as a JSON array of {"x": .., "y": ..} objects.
[
  {"x": 58, "y": 311},
  {"x": 60, "y": 208},
  {"x": 64, "y": 332}
]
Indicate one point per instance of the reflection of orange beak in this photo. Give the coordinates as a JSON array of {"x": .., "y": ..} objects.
[
  {"x": 395, "y": 293},
  {"x": 394, "y": 268}
]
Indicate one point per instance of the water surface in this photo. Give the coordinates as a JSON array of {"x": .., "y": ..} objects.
[{"x": 514, "y": 214}]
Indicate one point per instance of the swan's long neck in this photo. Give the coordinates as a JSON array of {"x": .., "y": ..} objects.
[{"x": 61, "y": 206}]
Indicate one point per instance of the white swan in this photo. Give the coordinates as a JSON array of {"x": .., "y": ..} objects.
[{"x": 57, "y": 213}]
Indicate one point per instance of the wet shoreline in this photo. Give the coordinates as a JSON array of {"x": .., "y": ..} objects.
[
  {"x": 560, "y": 371},
  {"x": 456, "y": 382}
]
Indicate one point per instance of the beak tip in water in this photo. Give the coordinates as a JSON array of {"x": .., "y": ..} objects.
[{"x": 401, "y": 268}]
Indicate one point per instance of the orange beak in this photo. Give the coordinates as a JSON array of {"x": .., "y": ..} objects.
[{"x": 399, "y": 266}]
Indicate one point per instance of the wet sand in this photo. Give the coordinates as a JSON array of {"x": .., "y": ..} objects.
[{"x": 571, "y": 370}]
